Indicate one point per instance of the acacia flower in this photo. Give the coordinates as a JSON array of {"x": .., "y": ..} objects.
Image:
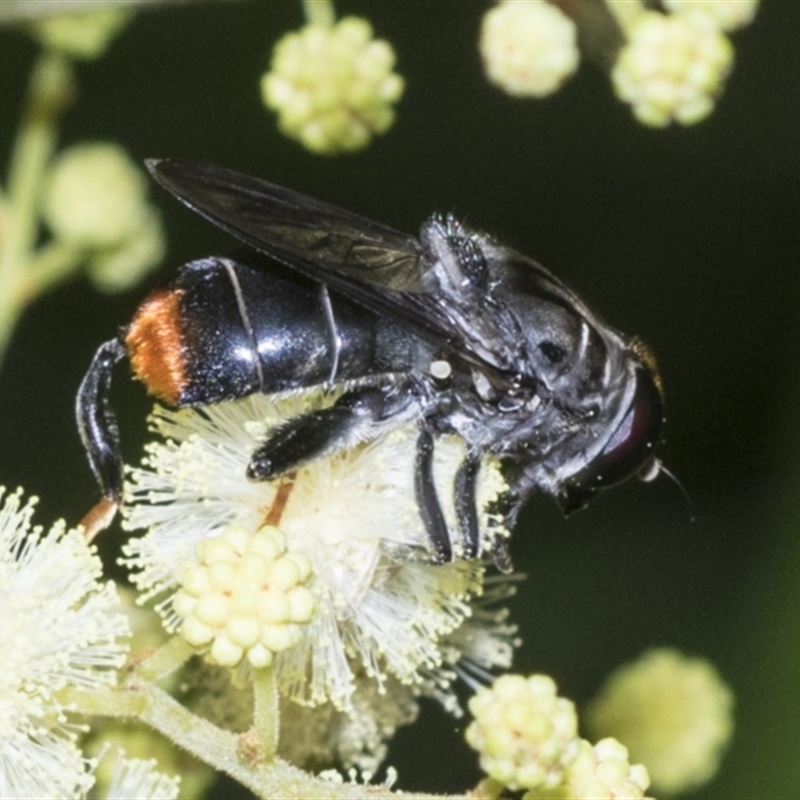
[
  {"x": 674, "y": 713},
  {"x": 728, "y": 15},
  {"x": 602, "y": 772},
  {"x": 137, "y": 777},
  {"x": 381, "y": 607},
  {"x": 95, "y": 200},
  {"x": 246, "y": 596},
  {"x": 60, "y": 628},
  {"x": 672, "y": 68},
  {"x": 528, "y": 48},
  {"x": 526, "y": 735},
  {"x": 333, "y": 86}
]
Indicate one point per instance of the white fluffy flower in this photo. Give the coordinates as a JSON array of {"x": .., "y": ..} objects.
[
  {"x": 137, "y": 777},
  {"x": 60, "y": 628},
  {"x": 381, "y": 606}
]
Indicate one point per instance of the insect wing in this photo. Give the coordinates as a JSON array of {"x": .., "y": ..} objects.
[{"x": 376, "y": 266}]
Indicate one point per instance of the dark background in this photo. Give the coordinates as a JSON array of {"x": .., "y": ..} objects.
[{"x": 687, "y": 237}]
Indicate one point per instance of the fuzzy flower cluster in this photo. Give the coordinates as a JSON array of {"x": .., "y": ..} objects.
[
  {"x": 381, "y": 610},
  {"x": 528, "y": 49},
  {"x": 527, "y": 739},
  {"x": 333, "y": 87},
  {"x": 61, "y": 628},
  {"x": 602, "y": 772},
  {"x": 672, "y": 68},
  {"x": 95, "y": 201},
  {"x": 728, "y": 15},
  {"x": 245, "y": 598},
  {"x": 669, "y": 65},
  {"x": 674, "y": 713},
  {"x": 525, "y": 733}
]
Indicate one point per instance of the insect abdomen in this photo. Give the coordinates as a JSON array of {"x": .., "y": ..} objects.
[{"x": 221, "y": 330}]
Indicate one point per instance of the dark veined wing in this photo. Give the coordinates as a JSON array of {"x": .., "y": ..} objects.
[{"x": 376, "y": 266}]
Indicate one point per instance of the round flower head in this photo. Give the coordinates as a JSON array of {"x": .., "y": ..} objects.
[
  {"x": 672, "y": 68},
  {"x": 526, "y": 735},
  {"x": 602, "y": 772},
  {"x": 245, "y": 597},
  {"x": 728, "y": 15},
  {"x": 350, "y": 516},
  {"x": 95, "y": 199},
  {"x": 674, "y": 714},
  {"x": 333, "y": 87},
  {"x": 60, "y": 627},
  {"x": 528, "y": 48},
  {"x": 95, "y": 195}
]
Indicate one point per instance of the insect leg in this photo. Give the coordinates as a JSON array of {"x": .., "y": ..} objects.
[
  {"x": 428, "y": 501},
  {"x": 466, "y": 502},
  {"x": 97, "y": 423},
  {"x": 349, "y": 421},
  {"x": 301, "y": 439}
]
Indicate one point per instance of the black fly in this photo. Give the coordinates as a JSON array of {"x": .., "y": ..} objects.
[{"x": 448, "y": 329}]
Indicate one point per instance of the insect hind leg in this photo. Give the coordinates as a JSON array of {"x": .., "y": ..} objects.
[
  {"x": 352, "y": 419},
  {"x": 97, "y": 423}
]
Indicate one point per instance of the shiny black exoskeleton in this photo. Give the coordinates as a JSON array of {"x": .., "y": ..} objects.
[{"x": 450, "y": 330}]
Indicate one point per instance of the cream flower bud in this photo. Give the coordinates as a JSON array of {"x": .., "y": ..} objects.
[
  {"x": 333, "y": 88},
  {"x": 674, "y": 714},
  {"x": 95, "y": 199},
  {"x": 95, "y": 196},
  {"x": 728, "y": 15},
  {"x": 528, "y": 48},
  {"x": 672, "y": 68},
  {"x": 245, "y": 598},
  {"x": 83, "y": 36},
  {"x": 526, "y": 735},
  {"x": 604, "y": 772}
]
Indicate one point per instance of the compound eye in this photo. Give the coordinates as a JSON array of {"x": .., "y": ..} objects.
[{"x": 628, "y": 450}]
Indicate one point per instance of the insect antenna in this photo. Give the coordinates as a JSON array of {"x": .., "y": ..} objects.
[{"x": 653, "y": 468}]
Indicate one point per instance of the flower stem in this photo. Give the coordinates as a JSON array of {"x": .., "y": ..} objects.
[
  {"x": 46, "y": 267},
  {"x": 49, "y": 91},
  {"x": 266, "y": 719},
  {"x": 166, "y": 660},
  {"x": 319, "y": 12}
]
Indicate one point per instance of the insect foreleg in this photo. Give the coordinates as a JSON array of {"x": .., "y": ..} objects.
[
  {"x": 466, "y": 502},
  {"x": 428, "y": 500}
]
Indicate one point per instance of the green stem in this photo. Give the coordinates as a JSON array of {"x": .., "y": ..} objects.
[
  {"x": 48, "y": 266},
  {"x": 319, "y": 12},
  {"x": 266, "y": 719},
  {"x": 49, "y": 91},
  {"x": 220, "y": 749},
  {"x": 166, "y": 660}
]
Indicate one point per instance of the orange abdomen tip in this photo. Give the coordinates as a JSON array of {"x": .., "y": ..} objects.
[{"x": 155, "y": 345}]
